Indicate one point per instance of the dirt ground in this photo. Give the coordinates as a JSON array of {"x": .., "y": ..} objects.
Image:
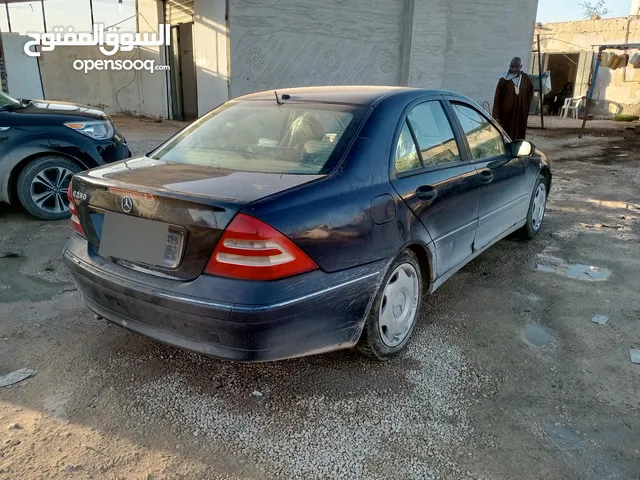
[{"x": 506, "y": 376}]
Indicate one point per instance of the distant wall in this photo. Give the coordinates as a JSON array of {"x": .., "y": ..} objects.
[
  {"x": 452, "y": 44},
  {"x": 211, "y": 43},
  {"x": 23, "y": 78},
  {"x": 114, "y": 91},
  {"x": 616, "y": 91},
  {"x": 482, "y": 38},
  {"x": 289, "y": 43},
  {"x": 136, "y": 92},
  {"x": 154, "y": 100}
]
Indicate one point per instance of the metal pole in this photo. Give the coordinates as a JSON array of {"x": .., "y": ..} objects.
[
  {"x": 44, "y": 19},
  {"x": 3, "y": 68},
  {"x": 91, "y": 10},
  {"x": 541, "y": 87},
  {"x": 592, "y": 85}
]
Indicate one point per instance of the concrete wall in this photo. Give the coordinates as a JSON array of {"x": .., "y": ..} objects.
[
  {"x": 211, "y": 43},
  {"x": 23, "y": 77},
  {"x": 154, "y": 91},
  {"x": 616, "y": 91},
  {"x": 288, "y": 43},
  {"x": 452, "y": 44},
  {"x": 115, "y": 91},
  {"x": 482, "y": 38},
  {"x": 466, "y": 46},
  {"x": 135, "y": 92},
  {"x": 61, "y": 81}
]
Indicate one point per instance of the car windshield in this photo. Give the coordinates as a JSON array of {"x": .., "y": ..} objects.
[
  {"x": 7, "y": 101},
  {"x": 259, "y": 136}
]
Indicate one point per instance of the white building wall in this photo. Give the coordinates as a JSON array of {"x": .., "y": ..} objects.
[
  {"x": 114, "y": 91},
  {"x": 23, "y": 76},
  {"x": 465, "y": 46},
  {"x": 452, "y": 44},
  {"x": 154, "y": 86},
  {"x": 288, "y": 43},
  {"x": 483, "y": 37},
  {"x": 211, "y": 43}
]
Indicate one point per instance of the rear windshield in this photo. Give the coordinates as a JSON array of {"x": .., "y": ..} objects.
[{"x": 260, "y": 136}]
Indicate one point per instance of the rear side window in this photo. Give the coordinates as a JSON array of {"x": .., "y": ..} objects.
[
  {"x": 258, "y": 136},
  {"x": 407, "y": 158},
  {"x": 434, "y": 134},
  {"x": 484, "y": 139}
]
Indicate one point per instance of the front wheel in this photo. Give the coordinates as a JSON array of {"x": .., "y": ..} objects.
[
  {"x": 393, "y": 314},
  {"x": 537, "y": 208},
  {"x": 43, "y": 184}
]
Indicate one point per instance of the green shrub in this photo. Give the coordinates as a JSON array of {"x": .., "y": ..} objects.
[{"x": 625, "y": 118}]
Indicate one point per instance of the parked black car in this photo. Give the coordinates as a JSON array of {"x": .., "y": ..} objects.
[
  {"x": 280, "y": 226},
  {"x": 43, "y": 143}
]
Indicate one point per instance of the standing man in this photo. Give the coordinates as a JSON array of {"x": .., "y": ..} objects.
[{"x": 512, "y": 102}]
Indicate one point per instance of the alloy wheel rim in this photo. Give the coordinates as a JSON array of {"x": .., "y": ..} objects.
[
  {"x": 539, "y": 205},
  {"x": 49, "y": 189},
  {"x": 399, "y": 305}
]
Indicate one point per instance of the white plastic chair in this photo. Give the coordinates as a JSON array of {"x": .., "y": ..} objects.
[{"x": 568, "y": 107}]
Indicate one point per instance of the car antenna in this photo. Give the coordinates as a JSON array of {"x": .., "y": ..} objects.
[{"x": 277, "y": 99}]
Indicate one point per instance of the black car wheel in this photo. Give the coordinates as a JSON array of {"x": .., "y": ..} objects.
[
  {"x": 393, "y": 315},
  {"x": 537, "y": 208},
  {"x": 43, "y": 184}
]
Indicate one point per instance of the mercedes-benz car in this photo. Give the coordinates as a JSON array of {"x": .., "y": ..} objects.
[
  {"x": 43, "y": 143},
  {"x": 301, "y": 221}
]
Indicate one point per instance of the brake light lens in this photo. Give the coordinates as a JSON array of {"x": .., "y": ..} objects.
[
  {"x": 249, "y": 249},
  {"x": 75, "y": 221}
]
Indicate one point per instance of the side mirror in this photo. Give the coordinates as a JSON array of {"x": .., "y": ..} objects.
[{"x": 522, "y": 148}]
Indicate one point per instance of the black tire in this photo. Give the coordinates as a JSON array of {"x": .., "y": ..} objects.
[
  {"x": 31, "y": 189},
  {"x": 371, "y": 342},
  {"x": 531, "y": 228}
]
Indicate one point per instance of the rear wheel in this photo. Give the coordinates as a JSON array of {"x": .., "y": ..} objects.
[
  {"x": 43, "y": 184},
  {"x": 394, "y": 312},
  {"x": 537, "y": 208}
]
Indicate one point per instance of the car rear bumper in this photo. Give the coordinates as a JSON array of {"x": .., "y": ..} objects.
[{"x": 308, "y": 314}]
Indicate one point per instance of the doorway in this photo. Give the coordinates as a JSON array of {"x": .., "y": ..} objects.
[
  {"x": 184, "y": 97},
  {"x": 563, "y": 68}
]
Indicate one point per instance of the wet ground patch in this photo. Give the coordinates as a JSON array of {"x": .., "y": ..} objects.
[{"x": 15, "y": 286}]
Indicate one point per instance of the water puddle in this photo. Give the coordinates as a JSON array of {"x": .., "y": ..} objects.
[
  {"x": 578, "y": 271},
  {"x": 17, "y": 287},
  {"x": 537, "y": 335},
  {"x": 563, "y": 437}
]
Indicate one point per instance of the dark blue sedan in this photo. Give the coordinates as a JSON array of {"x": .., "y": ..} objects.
[{"x": 301, "y": 221}]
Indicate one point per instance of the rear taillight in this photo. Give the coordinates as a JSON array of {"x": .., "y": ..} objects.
[
  {"x": 75, "y": 221},
  {"x": 250, "y": 249}
]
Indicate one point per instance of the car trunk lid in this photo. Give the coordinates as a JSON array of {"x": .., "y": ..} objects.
[{"x": 133, "y": 206}]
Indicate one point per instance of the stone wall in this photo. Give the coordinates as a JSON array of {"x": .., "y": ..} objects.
[{"x": 616, "y": 91}]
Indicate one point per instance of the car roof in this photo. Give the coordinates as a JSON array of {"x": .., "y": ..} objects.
[{"x": 367, "y": 95}]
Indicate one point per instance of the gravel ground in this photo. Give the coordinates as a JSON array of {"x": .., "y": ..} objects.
[{"x": 471, "y": 398}]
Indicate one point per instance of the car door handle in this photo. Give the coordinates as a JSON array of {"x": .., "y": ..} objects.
[
  {"x": 486, "y": 176},
  {"x": 426, "y": 193}
]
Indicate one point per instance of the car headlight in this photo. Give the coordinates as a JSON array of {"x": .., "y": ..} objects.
[{"x": 98, "y": 129}]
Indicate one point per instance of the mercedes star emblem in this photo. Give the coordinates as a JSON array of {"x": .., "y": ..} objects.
[{"x": 127, "y": 204}]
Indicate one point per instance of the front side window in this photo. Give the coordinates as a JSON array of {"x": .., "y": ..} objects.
[
  {"x": 434, "y": 134},
  {"x": 257, "y": 136},
  {"x": 485, "y": 141}
]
